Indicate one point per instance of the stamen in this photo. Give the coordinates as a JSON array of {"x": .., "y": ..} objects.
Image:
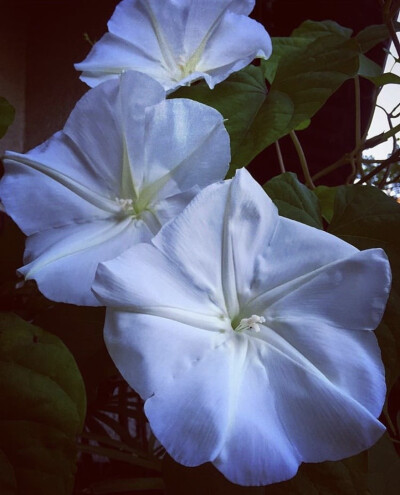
[
  {"x": 251, "y": 323},
  {"x": 126, "y": 205}
]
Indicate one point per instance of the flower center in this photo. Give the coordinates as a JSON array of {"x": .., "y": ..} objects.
[
  {"x": 251, "y": 323},
  {"x": 126, "y": 206},
  {"x": 185, "y": 67},
  {"x": 132, "y": 208}
]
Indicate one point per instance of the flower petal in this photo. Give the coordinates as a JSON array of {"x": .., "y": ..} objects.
[
  {"x": 248, "y": 406},
  {"x": 349, "y": 359},
  {"x": 106, "y": 122},
  {"x": 113, "y": 55},
  {"x": 170, "y": 207},
  {"x": 233, "y": 220},
  {"x": 233, "y": 45},
  {"x": 256, "y": 404},
  {"x": 76, "y": 175},
  {"x": 350, "y": 293},
  {"x": 264, "y": 252},
  {"x": 201, "y": 20},
  {"x": 186, "y": 145},
  {"x": 150, "y": 351},
  {"x": 199, "y": 225},
  {"x": 63, "y": 261},
  {"x": 142, "y": 37},
  {"x": 176, "y": 297},
  {"x": 51, "y": 203},
  {"x": 287, "y": 414}
]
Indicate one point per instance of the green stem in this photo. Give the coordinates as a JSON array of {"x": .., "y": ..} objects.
[
  {"x": 280, "y": 157},
  {"x": 303, "y": 161},
  {"x": 357, "y": 162}
]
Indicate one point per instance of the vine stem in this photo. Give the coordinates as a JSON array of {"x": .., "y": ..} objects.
[
  {"x": 280, "y": 157},
  {"x": 382, "y": 166},
  {"x": 303, "y": 161},
  {"x": 357, "y": 97},
  {"x": 345, "y": 159}
]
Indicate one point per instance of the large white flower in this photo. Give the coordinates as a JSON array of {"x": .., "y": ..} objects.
[
  {"x": 126, "y": 162},
  {"x": 249, "y": 336},
  {"x": 177, "y": 41}
]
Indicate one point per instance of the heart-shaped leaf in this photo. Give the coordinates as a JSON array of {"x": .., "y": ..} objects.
[
  {"x": 43, "y": 407},
  {"x": 294, "y": 200}
]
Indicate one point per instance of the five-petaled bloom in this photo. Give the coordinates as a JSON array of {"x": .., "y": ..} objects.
[
  {"x": 126, "y": 162},
  {"x": 177, "y": 41},
  {"x": 254, "y": 349}
]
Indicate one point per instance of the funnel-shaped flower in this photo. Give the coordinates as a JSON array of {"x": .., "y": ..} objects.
[
  {"x": 177, "y": 41},
  {"x": 254, "y": 349},
  {"x": 111, "y": 178}
]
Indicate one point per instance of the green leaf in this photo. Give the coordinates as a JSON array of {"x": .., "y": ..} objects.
[
  {"x": 308, "y": 79},
  {"x": 373, "y": 72},
  {"x": 367, "y": 218},
  {"x": 281, "y": 48},
  {"x": 387, "y": 78},
  {"x": 239, "y": 99},
  {"x": 316, "y": 29},
  {"x": 303, "y": 82},
  {"x": 369, "y": 68},
  {"x": 371, "y": 36},
  {"x": 301, "y": 37},
  {"x": 303, "y": 125},
  {"x": 294, "y": 200},
  {"x": 8, "y": 483},
  {"x": 43, "y": 407},
  {"x": 7, "y": 114},
  {"x": 326, "y": 196}
]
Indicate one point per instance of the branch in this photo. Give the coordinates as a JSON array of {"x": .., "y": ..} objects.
[{"x": 392, "y": 159}]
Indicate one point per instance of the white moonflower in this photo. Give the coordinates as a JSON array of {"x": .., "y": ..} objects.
[
  {"x": 177, "y": 41},
  {"x": 126, "y": 162},
  {"x": 249, "y": 336}
]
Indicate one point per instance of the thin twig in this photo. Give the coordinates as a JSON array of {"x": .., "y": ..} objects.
[
  {"x": 394, "y": 158},
  {"x": 356, "y": 164},
  {"x": 344, "y": 160},
  {"x": 382, "y": 182},
  {"x": 350, "y": 177}
]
